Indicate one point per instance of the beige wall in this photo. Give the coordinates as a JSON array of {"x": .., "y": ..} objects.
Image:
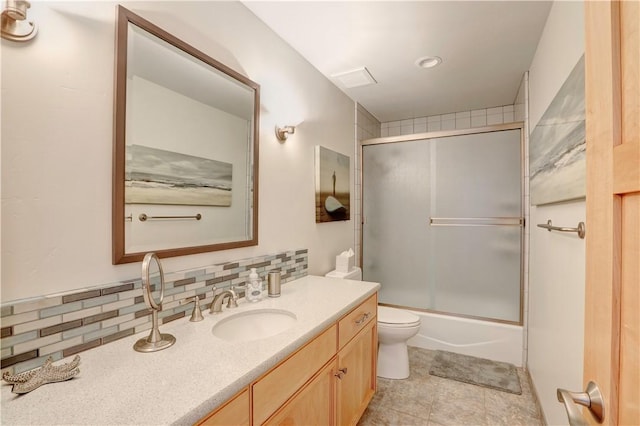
[
  {"x": 57, "y": 100},
  {"x": 557, "y": 261}
]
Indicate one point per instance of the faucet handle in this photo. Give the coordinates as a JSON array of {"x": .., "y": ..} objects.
[
  {"x": 232, "y": 301},
  {"x": 196, "y": 314}
]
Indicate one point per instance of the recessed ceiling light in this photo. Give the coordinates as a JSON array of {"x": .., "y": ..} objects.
[{"x": 428, "y": 61}]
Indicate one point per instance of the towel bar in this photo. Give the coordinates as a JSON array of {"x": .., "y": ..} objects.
[
  {"x": 143, "y": 217},
  {"x": 476, "y": 221},
  {"x": 580, "y": 230}
]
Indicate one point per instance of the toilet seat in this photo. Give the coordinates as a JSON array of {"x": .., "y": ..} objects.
[{"x": 396, "y": 318}]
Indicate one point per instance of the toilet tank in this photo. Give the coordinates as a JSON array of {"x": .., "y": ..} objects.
[{"x": 354, "y": 274}]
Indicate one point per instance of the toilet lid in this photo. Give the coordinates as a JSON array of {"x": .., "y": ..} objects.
[{"x": 389, "y": 315}]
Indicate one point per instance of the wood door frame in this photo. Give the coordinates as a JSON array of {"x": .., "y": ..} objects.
[{"x": 613, "y": 205}]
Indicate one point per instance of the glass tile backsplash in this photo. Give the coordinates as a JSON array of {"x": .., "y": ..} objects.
[{"x": 58, "y": 326}]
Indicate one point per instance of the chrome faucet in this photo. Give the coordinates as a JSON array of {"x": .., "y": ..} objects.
[{"x": 216, "y": 304}]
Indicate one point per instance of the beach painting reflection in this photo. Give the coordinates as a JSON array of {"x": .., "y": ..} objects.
[{"x": 156, "y": 176}]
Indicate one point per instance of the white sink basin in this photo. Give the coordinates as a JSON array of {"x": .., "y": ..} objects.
[{"x": 254, "y": 325}]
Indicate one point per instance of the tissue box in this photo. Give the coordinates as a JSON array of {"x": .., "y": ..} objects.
[{"x": 345, "y": 261}]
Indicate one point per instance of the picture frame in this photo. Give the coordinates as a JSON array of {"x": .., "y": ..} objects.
[
  {"x": 557, "y": 149},
  {"x": 332, "y": 185}
]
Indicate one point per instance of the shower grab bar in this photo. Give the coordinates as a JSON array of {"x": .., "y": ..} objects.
[
  {"x": 580, "y": 230},
  {"x": 143, "y": 217},
  {"x": 476, "y": 221}
]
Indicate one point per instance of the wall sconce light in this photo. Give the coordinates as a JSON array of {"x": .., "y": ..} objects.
[
  {"x": 283, "y": 132},
  {"x": 14, "y": 24}
]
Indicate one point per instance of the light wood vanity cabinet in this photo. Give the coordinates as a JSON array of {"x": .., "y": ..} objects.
[
  {"x": 357, "y": 368},
  {"x": 329, "y": 381},
  {"x": 236, "y": 411},
  {"x": 275, "y": 388},
  {"x": 314, "y": 404}
]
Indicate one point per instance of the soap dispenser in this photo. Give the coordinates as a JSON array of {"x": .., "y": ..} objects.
[{"x": 254, "y": 287}]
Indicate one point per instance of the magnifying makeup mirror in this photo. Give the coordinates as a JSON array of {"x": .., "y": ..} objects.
[{"x": 153, "y": 277}]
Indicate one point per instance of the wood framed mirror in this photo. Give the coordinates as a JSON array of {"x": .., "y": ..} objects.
[{"x": 185, "y": 166}]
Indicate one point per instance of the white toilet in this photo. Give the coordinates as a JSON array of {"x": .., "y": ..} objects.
[{"x": 395, "y": 327}]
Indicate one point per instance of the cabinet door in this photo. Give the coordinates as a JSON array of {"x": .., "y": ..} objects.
[
  {"x": 234, "y": 412},
  {"x": 313, "y": 405},
  {"x": 356, "y": 382},
  {"x": 275, "y": 388}
]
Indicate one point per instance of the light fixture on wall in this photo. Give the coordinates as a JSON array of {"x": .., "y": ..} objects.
[
  {"x": 283, "y": 132},
  {"x": 15, "y": 27}
]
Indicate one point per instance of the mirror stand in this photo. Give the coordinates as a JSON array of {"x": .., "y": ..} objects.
[{"x": 156, "y": 341}]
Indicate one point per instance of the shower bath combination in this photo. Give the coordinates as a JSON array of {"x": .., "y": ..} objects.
[{"x": 443, "y": 230}]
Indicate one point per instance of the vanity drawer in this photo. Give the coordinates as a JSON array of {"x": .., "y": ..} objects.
[
  {"x": 355, "y": 320},
  {"x": 277, "y": 386},
  {"x": 234, "y": 412}
]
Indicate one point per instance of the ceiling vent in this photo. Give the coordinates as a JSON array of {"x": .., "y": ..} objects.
[{"x": 355, "y": 78}]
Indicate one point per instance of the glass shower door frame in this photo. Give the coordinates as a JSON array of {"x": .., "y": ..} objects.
[{"x": 441, "y": 221}]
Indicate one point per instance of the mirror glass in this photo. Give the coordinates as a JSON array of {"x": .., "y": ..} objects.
[
  {"x": 152, "y": 281},
  {"x": 186, "y": 139}
]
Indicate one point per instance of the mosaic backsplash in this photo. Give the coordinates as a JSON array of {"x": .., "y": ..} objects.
[{"x": 61, "y": 325}]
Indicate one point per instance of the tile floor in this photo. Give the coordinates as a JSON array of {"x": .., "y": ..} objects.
[{"x": 423, "y": 399}]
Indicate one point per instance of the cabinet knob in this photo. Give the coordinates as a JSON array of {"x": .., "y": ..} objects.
[{"x": 341, "y": 372}]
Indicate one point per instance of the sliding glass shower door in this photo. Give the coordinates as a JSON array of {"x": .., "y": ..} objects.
[{"x": 442, "y": 224}]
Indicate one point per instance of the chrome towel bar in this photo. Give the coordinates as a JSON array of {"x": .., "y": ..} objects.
[
  {"x": 580, "y": 230},
  {"x": 476, "y": 221},
  {"x": 143, "y": 217}
]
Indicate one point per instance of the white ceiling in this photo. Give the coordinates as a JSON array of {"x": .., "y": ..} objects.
[{"x": 486, "y": 46}]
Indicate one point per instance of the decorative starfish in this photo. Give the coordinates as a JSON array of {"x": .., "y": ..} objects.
[{"x": 48, "y": 373}]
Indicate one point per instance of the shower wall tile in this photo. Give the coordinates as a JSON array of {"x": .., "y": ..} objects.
[
  {"x": 406, "y": 127},
  {"x": 452, "y": 121},
  {"x": 395, "y": 131},
  {"x": 435, "y": 126},
  {"x": 420, "y": 127},
  {"x": 508, "y": 117},
  {"x": 479, "y": 120},
  {"x": 495, "y": 119},
  {"x": 448, "y": 125},
  {"x": 368, "y": 126},
  {"x": 463, "y": 120}
]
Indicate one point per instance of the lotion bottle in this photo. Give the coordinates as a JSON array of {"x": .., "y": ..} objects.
[{"x": 254, "y": 287}]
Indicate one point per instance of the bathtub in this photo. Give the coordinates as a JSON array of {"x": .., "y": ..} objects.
[{"x": 483, "y": 339}]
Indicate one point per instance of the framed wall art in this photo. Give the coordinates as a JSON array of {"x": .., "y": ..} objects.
[
  {"x": 557, "y": 145},
  {"x": 332, "y": 186}
]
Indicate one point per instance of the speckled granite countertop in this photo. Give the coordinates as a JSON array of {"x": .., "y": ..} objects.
[{"x": 181, "y": 384}]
